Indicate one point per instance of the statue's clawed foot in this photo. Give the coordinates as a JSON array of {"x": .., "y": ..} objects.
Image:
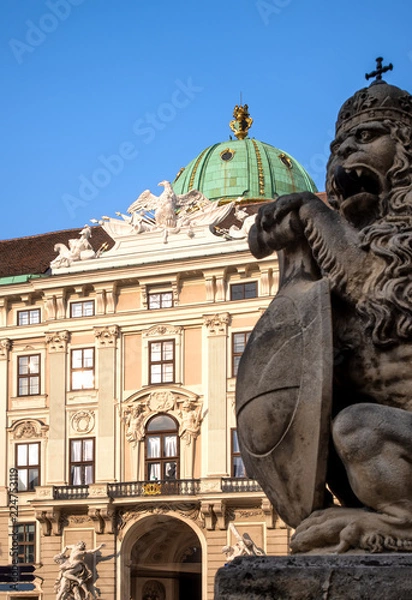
[{"x": 338, "y": 530}]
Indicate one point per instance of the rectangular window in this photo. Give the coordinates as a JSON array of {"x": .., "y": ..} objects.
[
  {"x": 238, "y": 468},
  {"x": 82, "y": 369},
  {"x": 27, "y": 543},
  {"x": 238, "y": 345},
  {"x": 28, "y": 317},
  {"x": 28, "y": 466},
  {"x": 85, "y": 308},
  {"x": 242, "y": 291},
  {"x": 160, "y": 300},
  {"x": 162, "y": 362},
  {"x": 82, "y": 461},
  {"x": 28, "y": 375}
]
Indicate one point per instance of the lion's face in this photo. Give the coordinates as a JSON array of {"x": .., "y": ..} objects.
[{"x": 357, "y": 175}]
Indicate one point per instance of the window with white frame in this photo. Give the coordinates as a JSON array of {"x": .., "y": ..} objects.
[
  {"x": 82, "y": 308},
  {"x": 82, "y": 369},
  {"x": 158, "y": 300},
  {"x": 28, "y": 317},
  {"x": 162, "y": 361},
  {"x": 82, "y": 461},
  {"x": 28, "y": 375},
  {"x": 239, "y": 340},
  {"x": 28, "y": 466},
  {"x": 162, "y": 449}
]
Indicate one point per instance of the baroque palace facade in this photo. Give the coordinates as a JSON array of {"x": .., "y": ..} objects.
[{"x": 118, "y": 362}]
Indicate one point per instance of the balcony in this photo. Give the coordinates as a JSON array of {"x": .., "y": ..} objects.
[
  {"x": 239, "y": 485},
  {"x": 165, "y": 487},
  {"x": 70, "y": 492},
  {"x": 168, "y": 487}
]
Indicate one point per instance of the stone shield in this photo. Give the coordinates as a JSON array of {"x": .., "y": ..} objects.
[{"x": 284, "y": 396}]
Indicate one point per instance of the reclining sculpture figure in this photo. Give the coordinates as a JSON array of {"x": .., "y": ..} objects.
[{"x": 324, "y": 391}]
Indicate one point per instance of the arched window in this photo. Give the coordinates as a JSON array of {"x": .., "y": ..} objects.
[{"x": 162, "y": 449}]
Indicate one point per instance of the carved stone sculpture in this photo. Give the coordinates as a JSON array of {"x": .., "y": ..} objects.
[
  {"x": 324, "y": 392},
  {"x": 244, "y": 546},
  {"x": 168, "y": 213},
  {"x": 78, "y": 249},
  {"x": 77, "y": 574}
]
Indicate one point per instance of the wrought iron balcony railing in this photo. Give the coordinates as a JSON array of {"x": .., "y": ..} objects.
[
  {"x": 165, "y": 487},
  {"x": 238, "y": 484},
  {"x": 70, "y": 492}
]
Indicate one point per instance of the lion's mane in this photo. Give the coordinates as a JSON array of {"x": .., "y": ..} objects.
[{"x": 387, "y": 306}]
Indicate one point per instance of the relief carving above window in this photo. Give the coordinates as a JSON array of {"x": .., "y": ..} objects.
[{"x": 185, "y": 408}]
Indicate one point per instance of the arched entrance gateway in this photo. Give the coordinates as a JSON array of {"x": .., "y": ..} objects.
[{"x": 164, "y": 559}]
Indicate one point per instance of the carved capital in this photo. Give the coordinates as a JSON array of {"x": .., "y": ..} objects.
[
  {"x": 265, "y": 280},
  {"x": 219, "y": 508},
  {"x": 144, "y": 293},
  {"x": 268, "y": 513},
  {"x": 106, "y": 336},
  {"x": 207, "y": 513},
  {"x": 50, "y": 521},
  {"x": 5, "y": 347},
  {"x": 103, "y": 519},
  {"x": 217, "y": 323},
  {"x": 57, "y": 341},
  {"x": 214, "y": 513},
  {"x": 210, "y": 288},
  {"x": 175, "y": 290}
]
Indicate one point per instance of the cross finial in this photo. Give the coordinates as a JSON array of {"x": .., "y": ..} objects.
[{"x": 379, "y": 70}]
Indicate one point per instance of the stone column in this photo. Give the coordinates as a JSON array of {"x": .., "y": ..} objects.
[
  {"x": 105, "y": 443},
  {"x": 5, "y": 346},
  {"x": 216, "y": 382},
  {"x": 57, "y": 383}
]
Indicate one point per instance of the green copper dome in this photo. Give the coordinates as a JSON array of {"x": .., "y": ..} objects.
[{"x": 243, "y": 167}]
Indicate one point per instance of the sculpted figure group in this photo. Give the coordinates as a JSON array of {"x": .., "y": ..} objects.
[
  {"x": 77, "y": 574},
  {"x": 333, "y": 393}
]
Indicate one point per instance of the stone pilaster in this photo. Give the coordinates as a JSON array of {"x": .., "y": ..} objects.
[
  {"x": 216, "y": 382},
  {"x": 3, "y": 312},
  {"x": 5, "y": 347},
  {"x": 56, "y": 449},
  {"x": 106, "y": 338}
]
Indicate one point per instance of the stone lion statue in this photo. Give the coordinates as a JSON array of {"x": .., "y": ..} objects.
[{"x": 340, "y": 337}]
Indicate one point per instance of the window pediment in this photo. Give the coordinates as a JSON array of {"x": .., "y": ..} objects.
[{"x": 184, "y": 406}]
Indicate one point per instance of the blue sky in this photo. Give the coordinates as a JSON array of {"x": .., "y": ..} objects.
[{"x": 123, "y": 93}]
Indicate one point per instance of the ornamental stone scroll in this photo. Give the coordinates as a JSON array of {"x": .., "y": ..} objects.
[
  {"x": 28, "y": 429},
  {"x": 5, "y": 347},
  {"x": 217, "y": 324},
  {"x": 57, "y": 341},
  {"x": 106, "y": 336}
]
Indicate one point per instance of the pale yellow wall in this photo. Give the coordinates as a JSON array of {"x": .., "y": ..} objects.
[
  {"x": 83, "y": 338},
  {"x": 193, "y": 357},
  {"x": 132, "y": 361},
  {"x": 192, "y": 292},
  {"x": 128, "y": 299},
  {"x": 246, "y": 322}
]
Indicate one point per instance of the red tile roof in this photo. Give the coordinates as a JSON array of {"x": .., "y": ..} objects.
[{"x": 33, "y": 254}]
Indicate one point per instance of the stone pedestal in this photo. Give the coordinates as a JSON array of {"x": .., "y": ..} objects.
[{"x": 317, "y": 577}]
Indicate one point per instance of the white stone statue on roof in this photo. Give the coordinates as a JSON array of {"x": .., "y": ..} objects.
[
  {"x": 77, "y": 249},
  {"x": 168, "y": 213}
]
